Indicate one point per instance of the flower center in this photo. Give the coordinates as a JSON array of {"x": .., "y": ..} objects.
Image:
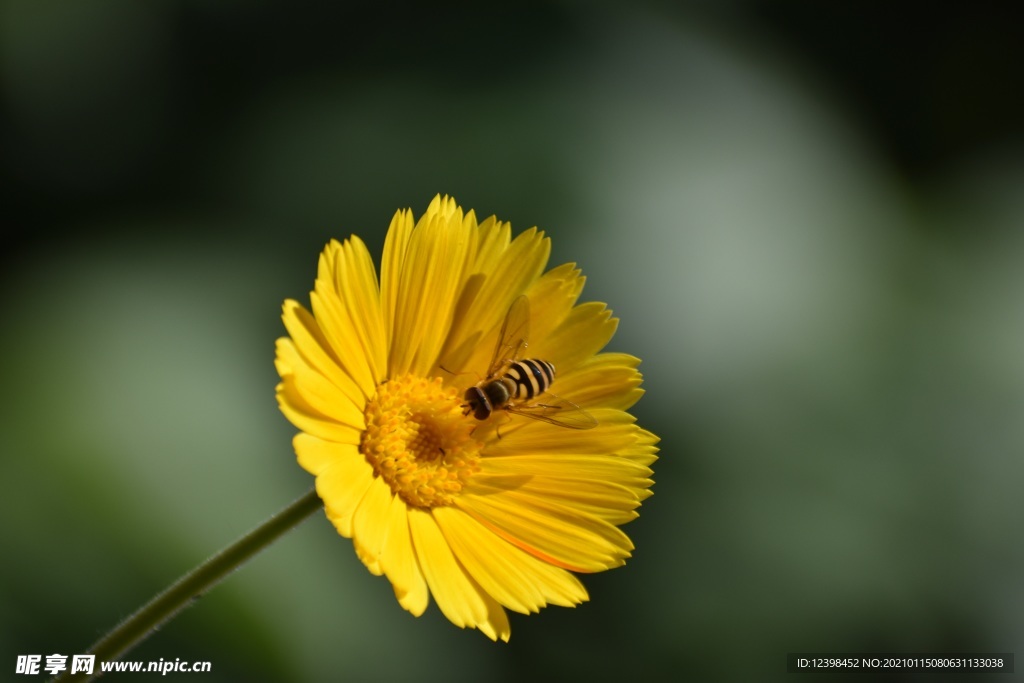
[{"x": 419, "y": 441}]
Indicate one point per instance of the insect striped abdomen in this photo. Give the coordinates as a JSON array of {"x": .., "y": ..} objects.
[{"x": 531, "y": 377}]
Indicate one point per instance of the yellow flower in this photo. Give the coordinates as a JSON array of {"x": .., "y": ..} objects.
[{"x": 482, "y": 514}]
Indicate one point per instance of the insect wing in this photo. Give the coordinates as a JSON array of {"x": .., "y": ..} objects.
[
  {"x": 557, "y": 411},
  {"x": 514, "y": 332}
]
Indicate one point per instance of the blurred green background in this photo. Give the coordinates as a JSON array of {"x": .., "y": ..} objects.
[{"x": 808, "y": 219}]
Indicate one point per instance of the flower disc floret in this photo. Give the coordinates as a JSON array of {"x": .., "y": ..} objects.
[{"x": 419, "y": 442}]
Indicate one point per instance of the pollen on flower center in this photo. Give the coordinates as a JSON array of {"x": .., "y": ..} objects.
[{"x": 419, "y": 441}]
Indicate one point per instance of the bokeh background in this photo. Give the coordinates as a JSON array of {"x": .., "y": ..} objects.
[{"x": 807, "y": 217}]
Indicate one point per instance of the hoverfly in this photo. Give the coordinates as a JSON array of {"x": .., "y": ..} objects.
[{"x": 511, "y": 384}]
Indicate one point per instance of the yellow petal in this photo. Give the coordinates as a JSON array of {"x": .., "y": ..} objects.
[
  {"x": 612, "y": 502},
  {"x": 457, "y": 595},
  {"x": 427, "y": 289},
  {"x": 494, "y": 238},
  {"x": 317, "y": 455},
  {"x": 608, "y": 380},
  {"x": 346, "y": 305},
  {"x": 622, "y": 471},
  {"x": 552, "y": 532},
  {"x": 524, "y": 436},
  {"x": 552, "y": 297},
  {"x": 369, "y": 524},
  {"x": 486, "y": 245},
  {"x": 316, "y": 350},
  {"x": 309, "y": 420},
  {"x": 584, "y": 332},
  {"x": 520, "y": 264},
  {"x": 644, "y": 452},
  {"x": 399, "y": 561},
  {"x": 396, "y": 248},
  {"x": 515, "y": 579},
  {"x": 342, "y": 487},
  {"x": 314, "y": 390}
]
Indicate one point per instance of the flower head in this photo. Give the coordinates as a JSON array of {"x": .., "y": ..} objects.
[{"x": 483, "y": 514}]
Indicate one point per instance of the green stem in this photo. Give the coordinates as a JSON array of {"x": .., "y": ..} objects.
[{"x": 183, "y": 592}]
